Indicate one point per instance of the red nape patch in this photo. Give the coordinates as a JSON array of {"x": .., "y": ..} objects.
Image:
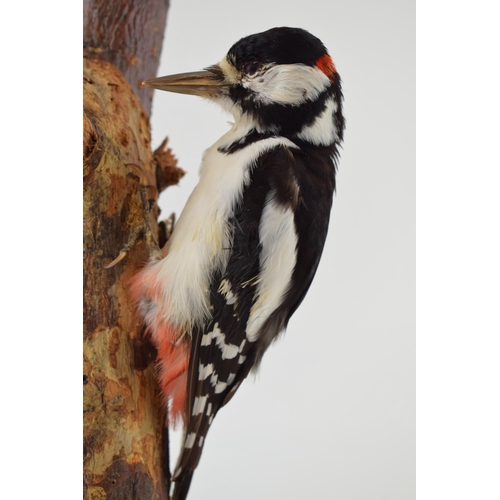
[{"x": 325, "y": 64}]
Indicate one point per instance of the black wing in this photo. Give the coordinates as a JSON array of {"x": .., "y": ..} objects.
[{"x": 221, "y": 356}]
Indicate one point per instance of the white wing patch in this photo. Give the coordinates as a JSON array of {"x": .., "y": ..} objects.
[
  {"x": 200, "y": 402},
  {"x": 205, "y": 371},
  {"x": 190, "y": 439},
  {"x": 220, "y": 387},
  {"x": 277, "y": 262},
  {"x": 199, "y": 405},
  {"x": 288, "y": 84},
  {"x": 229, "y": 351}
]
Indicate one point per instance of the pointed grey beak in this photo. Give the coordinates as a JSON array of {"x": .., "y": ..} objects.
[{"x": 208, "y": 83}]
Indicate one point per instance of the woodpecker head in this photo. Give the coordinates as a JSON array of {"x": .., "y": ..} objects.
[{"x": 282, "y": 79}]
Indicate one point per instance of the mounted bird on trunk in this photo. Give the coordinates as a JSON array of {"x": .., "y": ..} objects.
[{"x": 247, "y": 245}]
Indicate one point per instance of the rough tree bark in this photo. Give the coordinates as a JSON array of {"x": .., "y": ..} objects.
[{"x": 124, "y": 436}]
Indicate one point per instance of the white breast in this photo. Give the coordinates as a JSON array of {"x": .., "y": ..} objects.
[{"x": 200, "y": 244}]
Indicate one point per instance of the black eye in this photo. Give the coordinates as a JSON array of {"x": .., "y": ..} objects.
[{"x": 251, "y": 68}]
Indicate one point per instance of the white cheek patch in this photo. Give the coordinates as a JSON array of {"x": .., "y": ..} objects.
[{"x": 288, "y": 84}]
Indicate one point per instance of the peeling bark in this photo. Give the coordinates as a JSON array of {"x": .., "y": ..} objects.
[{"x": 125, "y": 445}]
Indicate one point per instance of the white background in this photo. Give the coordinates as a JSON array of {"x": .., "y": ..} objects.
[
  {"x": 458, "y": 269},
  {"x": 332, "y": 412}
]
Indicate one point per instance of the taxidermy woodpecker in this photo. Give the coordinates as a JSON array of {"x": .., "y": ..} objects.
[{"x": 248, "y": 242}]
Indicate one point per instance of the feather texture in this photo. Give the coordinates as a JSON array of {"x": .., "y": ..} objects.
[
  {"x": 249, "y": 240},
  {"x": 254, "y": 297}
]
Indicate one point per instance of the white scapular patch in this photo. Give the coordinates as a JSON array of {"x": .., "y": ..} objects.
[
  {"x": 231, "y": 378},
  {"x": 209, "y": 409},
  {"x": 190, "y": 439},
  {"x": 225, "y": 289},
  {"x": 205, "y": 371},
  {"x": 200, "y": 243},
  {"x": 323, "y": 130},
  {"x": 241, "y": 360},
  {"x": 288, "y": 84},
  {"x": 200, "y": 441},
  {"x": 277, "y": 262},
  {"x": 199, "y": 404}
]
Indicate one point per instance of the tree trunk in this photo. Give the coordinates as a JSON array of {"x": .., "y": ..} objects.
[{"x": 125, "y": 440}]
